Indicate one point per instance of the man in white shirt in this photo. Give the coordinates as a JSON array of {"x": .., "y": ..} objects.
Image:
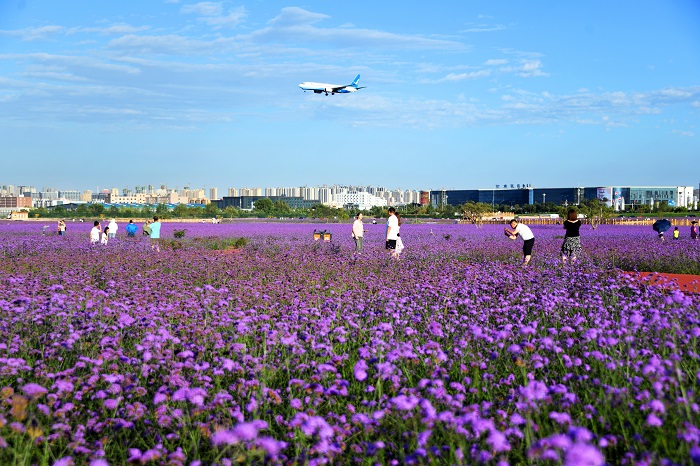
[
  {"x": 358, "y": 233},
  {"x": 95, "y": 233},
  {"x": 517, "y": 228},
  {"x": 392, "y": 230}
]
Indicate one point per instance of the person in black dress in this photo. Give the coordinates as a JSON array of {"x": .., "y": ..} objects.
[{"x": 571, "y": 248}]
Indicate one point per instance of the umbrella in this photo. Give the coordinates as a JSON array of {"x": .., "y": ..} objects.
[{"x": 660, "y": 226}]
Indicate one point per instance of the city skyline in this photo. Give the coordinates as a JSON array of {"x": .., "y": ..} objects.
[
  {"x": 206, "y": 94},
  {"x": 207, "y": 190}
]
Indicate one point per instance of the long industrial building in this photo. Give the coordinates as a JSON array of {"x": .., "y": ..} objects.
[{"x": 619, "y": 197}]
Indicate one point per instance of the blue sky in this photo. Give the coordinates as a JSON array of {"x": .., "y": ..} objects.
[{"x": 459, "y": 96}]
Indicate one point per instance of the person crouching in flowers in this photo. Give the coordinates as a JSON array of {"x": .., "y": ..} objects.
[
  {"x": 571, "y": 248},
  {"x": 517, "y": 228},
  {"x": 105, "y": 236}
]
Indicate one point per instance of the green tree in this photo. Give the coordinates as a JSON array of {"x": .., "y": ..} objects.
[
  {"x": 281, "y": 207},
  {"x": 181, "y": 211},
  {"x": 231, "y": 212},
  {"x": 96, "y": 209},
  {"x": 211, "y": 210},
  {"x": 662, "y": 206},
  {"x": 39, "y": 212},
  {"x": 146, "y": 211},
  {"x": 82, "y": 210},
  {"x": 162, "y": 211},
  {"x": 342, "y": 214},
  {"x": 474, "y": 211},
  {"x": 377, "y": 211},
  {"x": 596, "y": 211},
  {"x": 263, "y": 205}
]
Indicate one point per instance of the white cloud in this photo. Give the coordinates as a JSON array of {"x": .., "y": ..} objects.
[
  {"x": 203, "y": 8},
  {"x": 231, "y": 20},
  {"x": 64, "y": 62},
  {"x": 170, "y": 44},
  {"x": 295, "y": 24},
  {"x": 212, "y": 13},
  {"x": 486, "y": 28},
  {"x": 531, "y": 68},
  {"x": 452, "y": 77},
  {"x": 116, "y": 29},
  {"x": 34, "y": 33},
  {"x": 496, "y": 62},
  {"x": 687, "y": 134},
  {"x": 295, "y": 16},
  {"x": 525, "y": 69}
]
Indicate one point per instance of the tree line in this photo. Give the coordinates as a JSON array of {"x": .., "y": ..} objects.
[{"x": 266, "y": 208}]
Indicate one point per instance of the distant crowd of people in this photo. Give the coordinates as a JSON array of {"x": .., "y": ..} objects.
[
  {"x": 151, "y": 228},
  {"x": 570, "y": 249}
]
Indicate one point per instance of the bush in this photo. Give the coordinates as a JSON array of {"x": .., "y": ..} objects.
[{"x": 179, "y": 233}]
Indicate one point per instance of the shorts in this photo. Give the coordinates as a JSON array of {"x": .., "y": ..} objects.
[
  {"x": 391, "y": 244},
  {"x": 527, "y": 246}
]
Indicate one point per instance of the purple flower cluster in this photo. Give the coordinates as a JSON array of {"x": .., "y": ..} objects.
[{"x": 295, "y": 351}]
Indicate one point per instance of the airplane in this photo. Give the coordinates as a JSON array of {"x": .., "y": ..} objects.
[{"x": 320, "y": 88}]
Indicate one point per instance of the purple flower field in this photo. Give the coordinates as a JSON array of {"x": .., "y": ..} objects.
[{"x": 291, "y": 351}]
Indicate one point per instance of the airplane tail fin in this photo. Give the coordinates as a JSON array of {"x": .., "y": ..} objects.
[{"x": 355, "y": 81}]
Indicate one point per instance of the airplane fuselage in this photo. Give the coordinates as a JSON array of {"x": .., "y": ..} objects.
[{"x": 326, "y": 88}]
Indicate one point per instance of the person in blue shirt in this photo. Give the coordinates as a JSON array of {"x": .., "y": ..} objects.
[
  {"x": 155, "y": 234},
  {"x": 131, "y": 229}
]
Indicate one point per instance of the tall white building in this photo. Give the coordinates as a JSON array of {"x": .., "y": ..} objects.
[
  {"x": 70, "y": 195},
  {"x": 363, "y": 200},
  {"x": 325, "y": 196},
  {"x": 309, "y": 194},
  {"x": 213, "y": 193}
]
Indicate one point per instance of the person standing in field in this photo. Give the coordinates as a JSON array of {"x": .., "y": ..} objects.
[
  {"x": 358, "y": 233},
  {"x": 399, "y": 241},
  {"x": 131, "y": 229},
  {"x": 571, "y": 248},
  {"x": 694, "y": 229},
  {"x": 155, "y": 234},
  {"x": 147, "y": 228},
  {"x": 676, "y": 233},
  {"x": 517, "y": 228},
  {"x": 392, "y": 231},
  {"x": 105, "y": 236},
  {"x": 95, "y": 233},
  {"x": 113, "y": 228},
  {"x": 61, "y": 228}
]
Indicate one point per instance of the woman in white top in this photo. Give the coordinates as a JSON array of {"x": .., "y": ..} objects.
[
  {"x": 358, "y": 233},
  {"x": 399, "y": 241},
  {"x": 113, "y": 228}
]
